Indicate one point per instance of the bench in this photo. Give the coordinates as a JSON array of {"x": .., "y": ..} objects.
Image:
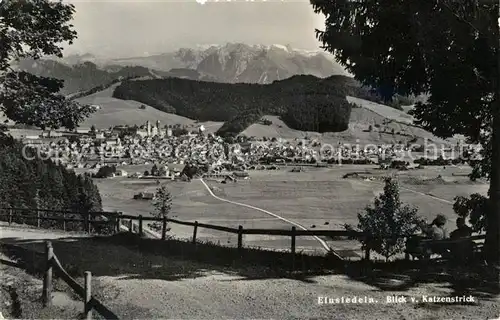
[{"x": 450, "y": 249}]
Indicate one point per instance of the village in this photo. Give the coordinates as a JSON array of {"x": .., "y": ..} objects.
[{"x": 168, "y": 147}]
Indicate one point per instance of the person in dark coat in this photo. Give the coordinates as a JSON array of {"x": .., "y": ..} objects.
[
  {"x": 462, "y": 231},
  {"x": 463, "y": 249}
]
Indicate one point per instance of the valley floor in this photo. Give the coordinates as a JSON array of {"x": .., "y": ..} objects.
[{"x": 318, "y": 198}]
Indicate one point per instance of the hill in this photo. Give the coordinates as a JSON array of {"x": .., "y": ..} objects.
[
  {"x": 114, "y": 112},
  {"x": 80, "y": 77},
  {"x": 303, "y": 102}
]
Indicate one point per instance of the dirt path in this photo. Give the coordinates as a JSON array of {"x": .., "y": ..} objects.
[
  {"x": 216, "y": 295},
  {"x": 148, "y": 293},
  {"x": 325, "y": 246},
  {"x": 414, "y": 191}
]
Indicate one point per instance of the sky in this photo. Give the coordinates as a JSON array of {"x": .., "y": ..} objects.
[{"x": 136, "y": 28}]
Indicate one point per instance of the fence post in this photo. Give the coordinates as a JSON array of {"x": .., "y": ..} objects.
[
  {"x": 118, "y": 222},
  {"x": 140, "y": 225},
  {"x": 367, "y": 254},
  {"x": 164, "y": 228},
  {"x": 38, "y": 218},
  {"x": 195, "y": 230},
  {"x": 47, "y": 278},
  {"x": 240, "y": 237},
  {"x": 87, "y": 309},
  {"x": 89, "y": 218},
  {"x": 293, "y": 247},
  {"x": 10, "y": 216},
  {"x": 130, "y": 226},
  {"x": 64, "y": 221}
]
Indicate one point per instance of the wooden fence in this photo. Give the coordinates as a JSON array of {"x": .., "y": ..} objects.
[
  {"x": 51, "y": 265},
  {"x": 116, "y": 220},
  {"x": 293, "y": 233},
  {"x": 35, "y": 217},
  {"x": 89, "y": 303}
]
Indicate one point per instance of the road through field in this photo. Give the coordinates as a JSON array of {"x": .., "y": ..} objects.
[
  {"x": 414, "y": 191},
  {"x": 322, "y": 242}
]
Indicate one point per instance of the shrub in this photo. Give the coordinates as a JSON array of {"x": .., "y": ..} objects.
[
  {"x": 388, "y": 222},
  {"x": 266, "y": 122},
  {"x": 475, "y": 208},
  {"x": 105, "y": 172},
  {"x": 177, "y": 132}
]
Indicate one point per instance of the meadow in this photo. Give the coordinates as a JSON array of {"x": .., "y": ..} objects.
[{"x": 318, "y": 198}]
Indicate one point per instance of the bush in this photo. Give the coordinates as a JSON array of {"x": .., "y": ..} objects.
[
  {"x": 388, "y": 222},
  {"x": 105, "y": 172},
  {"x": 266, "y": 122},
  {"x": 475, "y": 208},
  {"x": 177, "y": 132}
]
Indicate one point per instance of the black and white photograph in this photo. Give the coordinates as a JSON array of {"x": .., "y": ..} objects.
[{"x": 250, "y": 159}]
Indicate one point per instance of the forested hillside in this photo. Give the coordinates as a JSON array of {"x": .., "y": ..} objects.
[
  {"x": 304, "y": 102},
  {"x": 42, "y": 183},
  {"x": 80, "y": 77}
]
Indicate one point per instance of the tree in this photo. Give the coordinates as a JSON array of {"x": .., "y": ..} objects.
[
  {"x": 31, "y": 29},
  {"x": 388, "y": 222},
  {"x": 106, "y": 171},
  {"x": 447, "y": 49},
  {"x": 162, "y": 204},
  {"x": 92, "y": 129}
]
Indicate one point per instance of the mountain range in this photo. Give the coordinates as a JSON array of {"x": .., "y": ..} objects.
[{"x": 229, "y": 63}]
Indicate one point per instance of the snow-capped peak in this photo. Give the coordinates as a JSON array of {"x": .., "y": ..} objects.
[{"x": 280, "y": 46}]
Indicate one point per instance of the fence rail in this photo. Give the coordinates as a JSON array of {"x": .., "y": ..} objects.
[
  {"x": 85, "y": 292},
  {"x": 240, "y": 231},
  {"x": 51, "y": 265},
  {"x": 116, "y": 220},
  {"x": 86, "y": 219}
]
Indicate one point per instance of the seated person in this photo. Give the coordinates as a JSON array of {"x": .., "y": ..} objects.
[
  {"x": 436, "y": 231},
  {"x": 462, "y": 231},
  {"x": 463, "y": 249}
]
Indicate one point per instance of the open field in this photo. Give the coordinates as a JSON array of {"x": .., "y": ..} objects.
[
  {"x": 361, "y": 118},
  {"x": 318, "y": 196},
  {"x": 383, "y": 110}
]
